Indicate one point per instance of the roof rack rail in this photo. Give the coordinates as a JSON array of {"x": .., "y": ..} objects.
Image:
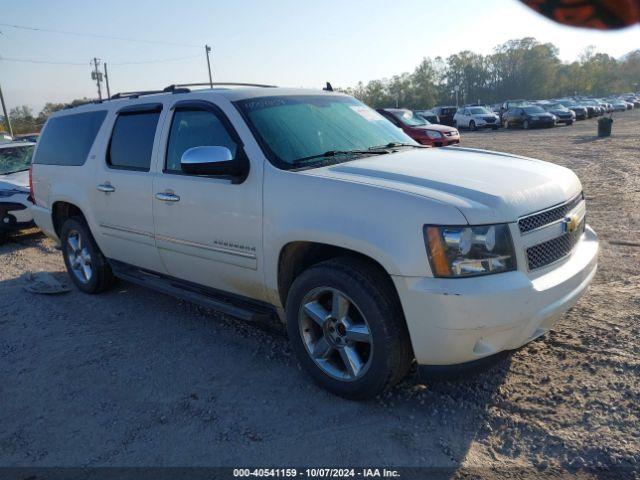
[
  {"x": 217, "y": 84},
  {"x": 118, "y": 95},
  {"x": 181, "y": 88}
]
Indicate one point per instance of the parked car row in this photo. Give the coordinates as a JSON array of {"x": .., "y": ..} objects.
[{"x": 510, "y": 113}]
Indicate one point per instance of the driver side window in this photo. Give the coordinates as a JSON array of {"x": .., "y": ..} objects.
[{"x": 195, "y": 128}]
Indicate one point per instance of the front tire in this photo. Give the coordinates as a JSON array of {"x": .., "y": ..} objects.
[
  {"x": 472, "y": 126},
  {"x": 525, "y": 125},
  {"x": 86, "y": 265},
  {"x": 346, "y": 326}
]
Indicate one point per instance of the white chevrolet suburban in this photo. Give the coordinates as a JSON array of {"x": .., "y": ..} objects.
[{"x": 309, "y": 208}]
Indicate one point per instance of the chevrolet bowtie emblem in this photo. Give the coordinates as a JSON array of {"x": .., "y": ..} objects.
[{"x": 571, "y": 223}]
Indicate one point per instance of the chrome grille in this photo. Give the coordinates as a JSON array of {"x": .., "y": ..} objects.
[
  {"x": 537, "y": 220},
  {"x": 553, "y": 250}
]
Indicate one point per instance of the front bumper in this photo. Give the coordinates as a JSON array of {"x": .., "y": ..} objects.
[
  {"x": 15, "y": 216},
  {"x": 480, "y": 123},
  {"x": 454, "y": 321},
  {"x": 542, "y": 123}
]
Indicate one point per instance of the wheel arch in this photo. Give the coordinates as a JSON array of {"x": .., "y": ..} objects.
[
  {"x": 297, "y": 256},
  {"x": 61, "y": 210}
]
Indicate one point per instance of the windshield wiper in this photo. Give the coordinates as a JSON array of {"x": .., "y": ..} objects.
[
  {"x": 395, "y": 145},
  {"x": 340, "y": 153}
]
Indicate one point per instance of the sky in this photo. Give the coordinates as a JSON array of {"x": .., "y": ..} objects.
[{"x": 282, "y": 42}]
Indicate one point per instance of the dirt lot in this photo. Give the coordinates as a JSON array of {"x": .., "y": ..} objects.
[{"x": 134, "y": 377}]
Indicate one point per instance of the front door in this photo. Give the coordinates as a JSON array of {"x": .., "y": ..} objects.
[
  {"x": 208, "y": 230},
  {"x": 122, "y": 197}
]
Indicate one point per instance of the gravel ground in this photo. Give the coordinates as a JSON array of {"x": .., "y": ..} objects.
[{"x": 137, "y": 378}]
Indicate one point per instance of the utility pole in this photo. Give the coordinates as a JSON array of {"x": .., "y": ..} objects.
[
  {"x": 7, "y": 120},
  {"x": 106, "y": 80},
  {"x": 97, "y": 76},
  {"x": 207, "y": 49}
]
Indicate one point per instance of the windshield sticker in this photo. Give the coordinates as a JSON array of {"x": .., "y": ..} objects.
[{"x": 367, "y": 113}]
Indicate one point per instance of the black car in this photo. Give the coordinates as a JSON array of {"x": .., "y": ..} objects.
[
  {"x": 428, "y": 115},
  {"x": 580, "y": 110},
  {"x": 562, "y": 113},
  {"x": 445, "y": 114},
  {"x": 528, "y": 116},
  {"x": 509, "y": 104}
]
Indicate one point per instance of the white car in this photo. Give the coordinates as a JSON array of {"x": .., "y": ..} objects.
[
  {"x": 310, "y": 209},
  {"x": 475, "y": 118},
  {"x": 15, "y": 211}
]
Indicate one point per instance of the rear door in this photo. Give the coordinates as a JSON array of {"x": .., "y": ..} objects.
[
  {"x": 122, "y": 197},
  {"x": 208, "y": 229}
]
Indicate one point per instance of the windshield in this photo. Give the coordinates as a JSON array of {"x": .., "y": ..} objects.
[
  {"x": 15, "y": 159},
  {"x": 533, "y": 109},
  {"x": 478, "y": 111},
  {"x": 556, "y": 106},
  {"x": 293, "y": 128}
]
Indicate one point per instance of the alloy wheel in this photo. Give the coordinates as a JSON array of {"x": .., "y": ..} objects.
[
  {"x": 79, "y": 256},
  {"x": 335, "y": 334}
]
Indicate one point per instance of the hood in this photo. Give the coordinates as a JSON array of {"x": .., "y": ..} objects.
[
  {"x": 15, "y": 181},
  {"x": 434, "y": 126},
  {"x": 487, "y": 187}
]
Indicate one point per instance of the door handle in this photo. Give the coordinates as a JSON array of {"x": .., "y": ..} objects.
[
  {"x": 167, "y": 197},
  {"x": 106, "y": 188}
]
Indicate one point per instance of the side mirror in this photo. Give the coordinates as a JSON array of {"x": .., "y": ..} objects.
[{"x": 211, "y": 160}]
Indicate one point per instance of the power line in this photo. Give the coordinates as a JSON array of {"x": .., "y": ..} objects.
[
  {"x": 144, "y": 62},
  {"x": 28, "y": 60},
  {"x": 49, "y": 62},
  {"x": 97, "y": 35}
]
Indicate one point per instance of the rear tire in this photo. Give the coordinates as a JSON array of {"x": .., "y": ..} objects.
[
  {"x": 86, "y": 265},
  {"x": 345, "y": 324}
]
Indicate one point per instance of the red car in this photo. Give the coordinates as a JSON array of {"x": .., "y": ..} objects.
[{"x": 421, "y": 130}]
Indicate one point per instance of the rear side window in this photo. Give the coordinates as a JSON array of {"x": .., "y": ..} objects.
[
  {"x": 132, "y": 141},
  {"x": 67, "y": 140}
]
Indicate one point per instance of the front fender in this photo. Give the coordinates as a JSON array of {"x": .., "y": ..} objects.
[{"x": 380, "y": 223}]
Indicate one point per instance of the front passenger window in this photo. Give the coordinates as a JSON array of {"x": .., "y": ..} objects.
[{"x": 195, "y": 128}]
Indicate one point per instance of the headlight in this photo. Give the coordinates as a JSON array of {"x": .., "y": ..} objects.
[
  {"x": 433, "y": 134},
  {"x": 469, "y": 251}
]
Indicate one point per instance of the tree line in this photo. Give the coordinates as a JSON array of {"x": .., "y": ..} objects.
[
  {"x": 521, "y": 68},
  {"x": 23, "y": 120}
]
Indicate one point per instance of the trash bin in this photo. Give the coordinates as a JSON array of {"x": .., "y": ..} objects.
[{"x": 604, "y": 126}]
